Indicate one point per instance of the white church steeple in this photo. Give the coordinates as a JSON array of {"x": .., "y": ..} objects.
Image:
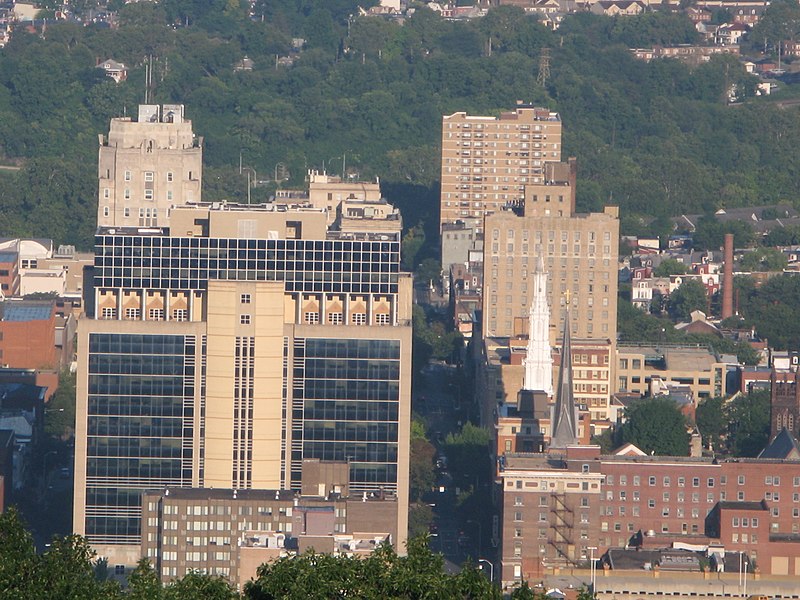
[{"x": 538, "y": 360}]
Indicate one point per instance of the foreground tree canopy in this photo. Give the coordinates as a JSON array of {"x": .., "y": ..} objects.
[
  {"x": 368, "y": 95},
  {"x": 69, "y": 571}
]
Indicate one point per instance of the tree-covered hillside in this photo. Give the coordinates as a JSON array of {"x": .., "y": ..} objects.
[{"x": 657, "y": 138}]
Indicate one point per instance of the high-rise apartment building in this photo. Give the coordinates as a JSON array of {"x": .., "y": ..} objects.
[
  {"x": 225, "y": 351},
  {"x": 146, "y": 166},
  {"x": 488, "y": 161}
]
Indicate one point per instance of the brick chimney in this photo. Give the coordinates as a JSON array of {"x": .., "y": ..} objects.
[{"x": 727, "y": 278}]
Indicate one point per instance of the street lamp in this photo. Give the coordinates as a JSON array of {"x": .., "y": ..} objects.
[
  {"x": 255, "y": 178},
  {"x": 44, "y": 467},
  {"x": 743, "y": 562},
  {"x": 592, "y": 569},
  {"x": 491, "y": 568}
]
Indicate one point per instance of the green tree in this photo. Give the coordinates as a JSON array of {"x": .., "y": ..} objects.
[
  {"x": 59, "y": 419},
  {"x": 711, "y": 420},
  {"x": 144, "y": 584},
  {"x": 656, "y": 425},
  {"x": 764, "y": 259},
  {"x": 18, "y": 559},
  {"x": 668, "y": 267},
  {"x": 690, "y": 296},
  {"x": 748, "y": 418},
  {"x": 421, "y": 469}
]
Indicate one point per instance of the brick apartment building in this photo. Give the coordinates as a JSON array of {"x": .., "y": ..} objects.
[{"x": 556, "y": 507}]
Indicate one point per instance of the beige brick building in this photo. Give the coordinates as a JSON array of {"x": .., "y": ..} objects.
[
  {"x": 147, "y": 165},
  {"x": 580, "y": 253},
  {"x": 488, "y": 161}
]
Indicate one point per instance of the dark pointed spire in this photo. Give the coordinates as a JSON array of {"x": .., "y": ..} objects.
[{"x": 564, "y": 420}]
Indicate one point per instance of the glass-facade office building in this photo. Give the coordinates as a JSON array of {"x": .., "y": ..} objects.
[{"x": 167, "y": 392}]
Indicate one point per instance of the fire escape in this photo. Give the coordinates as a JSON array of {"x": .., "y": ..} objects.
[{"x": 562, "y": 519}]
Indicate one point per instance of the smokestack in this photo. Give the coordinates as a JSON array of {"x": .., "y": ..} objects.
[{"x": 727, "y": 278}]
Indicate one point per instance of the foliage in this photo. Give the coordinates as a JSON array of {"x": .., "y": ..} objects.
[
  {"x": 710, "y": 233},
  {"x": 668, "y": 267},
  {"x": 748, "y": 418},
  {"x": 764, "y": 259},
  {"x": 421, "y": 469},
  {"x": 420, "y": 517},
  {"x": 59, "y": 418},
  {"x": 690, "y": 296},
  {"x": 432, "y": 339},
  {"x": 710, "y": 420},
  {"x": 772, "y": 308},
  {"x": 468, "y": 453},
  {"x": 65, "y": 571},
  {"x": 654, "y": 137},
  {"x": 656, "y": 425},
  {"x": 382, "y": 575}
]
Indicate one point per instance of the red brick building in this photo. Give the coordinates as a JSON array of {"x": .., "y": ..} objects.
[
  {"x": 28, "y": 335},
  {"x": 556, "y": 507}
]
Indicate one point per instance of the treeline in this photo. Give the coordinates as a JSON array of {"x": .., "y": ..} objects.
[
  {"x": 368, "y": 95},
  {"x": 69, "y": 570}
]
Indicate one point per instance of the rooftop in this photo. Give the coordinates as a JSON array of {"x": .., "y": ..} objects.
[{"x": 24, "y": 310}]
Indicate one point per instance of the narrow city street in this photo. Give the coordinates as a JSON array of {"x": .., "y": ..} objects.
[{"x": 453, "y": 534}]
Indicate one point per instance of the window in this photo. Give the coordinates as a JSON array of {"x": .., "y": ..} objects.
[
  {"x": 109, "y": 313},
  {"x": 106, "y": 193},
  {"x": 180, "y": 314},
  {"x": 652, "y": 480},
  {"x": 666, "y": 481},
  {"x": 126, "y": 211},
  {"x": 127, "y": 194},
  {"x": 710, "y": 482},
  {"x": 245, "y": 298},
  {"x": 311, "y": 318},
  {"x": 105, "y": 211},
  {"x": 148, "y": 194},
  {"x": 132, "y": 313},
  {"x": 651, "y": 503},
  {"x": 695, "y": 482},
  {"x": 681, "y": 481},
  {"x": 170, "y": 177},
  {"x": 636, "y": 480},
  {"x": 148, "y": 176},
  {"x": 517, "y": 500},
  {"x": 335, "y": 318},
  {"x": 155, "y": 314},
  {"x": 359, "y": 318},
  {"x": 245, "y": 319},
  {"x": 127, "y": 175},
  {"x": 382, "y": 319}
]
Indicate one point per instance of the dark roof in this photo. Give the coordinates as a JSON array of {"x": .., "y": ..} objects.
[
  {"x": 783, "y": 446},
  {"x": 734, "y": 505},
  {"x": 21, "y": 396}
]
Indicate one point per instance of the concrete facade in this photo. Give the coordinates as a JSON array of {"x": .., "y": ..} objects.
[{"x": 146, "y": 166}]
